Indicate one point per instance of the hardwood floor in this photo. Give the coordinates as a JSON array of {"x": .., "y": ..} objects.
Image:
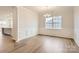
[
  {"x": 6, "y": 44},
  {"x": 46, "y": 44},
  {"x": 38, "y": 44}
]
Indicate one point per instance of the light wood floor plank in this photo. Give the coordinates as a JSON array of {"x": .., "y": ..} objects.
[{"x": 38, "y": 44}]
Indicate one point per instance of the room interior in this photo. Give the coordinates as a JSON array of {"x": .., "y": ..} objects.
[{"x": 28, "y": 29}]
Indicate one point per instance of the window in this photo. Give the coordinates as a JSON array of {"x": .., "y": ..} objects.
[
  {"x": 57, "y": 24},
  {"x": 53, "y": 22},
  {"x": 49, "y": 23}
]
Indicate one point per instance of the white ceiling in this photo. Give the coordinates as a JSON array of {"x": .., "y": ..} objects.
[{"x": 41, "y": 9}]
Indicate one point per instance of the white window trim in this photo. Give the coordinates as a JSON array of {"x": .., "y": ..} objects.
[{"x": 53, "y": 24}]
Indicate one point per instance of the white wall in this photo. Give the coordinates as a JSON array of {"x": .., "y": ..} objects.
[
  {"x": 15, "y": 23},
  {"x": 27, "y": 23},
  {"x": 67, "y": 23},
  {"x": 76, "y": 25}
]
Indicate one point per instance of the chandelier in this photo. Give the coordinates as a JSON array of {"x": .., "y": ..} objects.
[{"x": 47, "y": 15}]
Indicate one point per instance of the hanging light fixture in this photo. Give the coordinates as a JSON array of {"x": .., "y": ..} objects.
[{"x": 47, "y": 15}]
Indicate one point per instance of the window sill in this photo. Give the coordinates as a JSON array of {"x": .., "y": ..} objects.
[{"x": 54, "y": 29}]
